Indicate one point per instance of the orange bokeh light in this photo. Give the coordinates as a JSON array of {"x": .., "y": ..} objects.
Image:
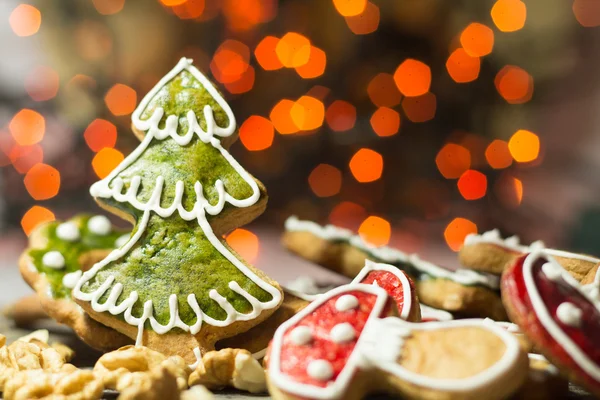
[
  {"x": 462, "y": 67},
  {"x": 308, "y": 113},
  {"x": 108, "y": 7},
  {"x": 25, "y": 157},
  {"x": 230, "y": 61},
  {"x": 245, "y": 243},
  {"x": 524, "y": 146},
  {"x": 456, "y": 232},
  {"x": 317, "y": 61},
  {"x": 375, "y": 231},
  {"x": 340, "y": 116},
  {"x": 413, "y": 78},
  {"x": 42, "y": 181},
  {"x": 266, "y": 55},
  {"x": 514, "y": 84},
  {"x": 42, "y": 83},
  {"x": 498, "y": 155},
  {"x": 243, "y": 84},
  {"x": 385, "y": 121},
  {"x": 453, "y": 160},
  {"x": 25, "y": 20},
  {"x": 509, "y": 15},
  {"x": 349, "y": 8},
  {"x": 365, "y": 22},
  {"x": 27, "y": 127},
  {"x": 383, "y": 92},
  {"x": 106, "y": 160},
  {"x": 348, "y": 215},
  {"x": 472, "y": 185},
  {"x": 477, "y": 40},
  {"x": 293, "y": 50},
  {"x": 120, "y": 99},
  {"x": 420, "y": 109},
  {"x": 35, "y": 216},
  {"x": 587, "y": 12},
  {"x": 509, "y": 190},
  {"x": 257, "y": 133},
  {"x": 99, "y": 134},
  {"x": 244, "y": 15},
  {"x": 366, "y": 165},
  {"x": 191, "y": 9},
  {"x": 281, "y": 117},
  {"x": 172, "y": 3},
  {"x": 325, "y": 180}
]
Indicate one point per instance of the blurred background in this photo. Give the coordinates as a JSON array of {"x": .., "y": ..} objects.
[{"x": 414, "y": 122}]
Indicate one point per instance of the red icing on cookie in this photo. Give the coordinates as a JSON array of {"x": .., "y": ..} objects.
[
  {"x": 534, "y": 319},
  {"x": 390, "y": 283}
]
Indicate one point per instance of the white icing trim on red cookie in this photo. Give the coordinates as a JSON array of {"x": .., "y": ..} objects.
[
  {"x": 391, "y": 255},
  {"x": 102, "y": 189},
  {"x": 321, "y": 370},
  {"x": 301, "y": 335},
  {"x": 342, "y": 333},
  {"x": 99, "y": 225},
  {"x": 547, "y": 321},
  {"x": 68, "y": 231},
  {"x": 569, "y": 314},
  {"x": 346, "y": 302},
  {"x": 53, "y": 259}
]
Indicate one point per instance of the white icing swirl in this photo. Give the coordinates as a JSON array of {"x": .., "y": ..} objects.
[
  {"x": 70, "y": 280},
  {"x": 54, "y": 260},
  {"x": 569, "y": 314},
  {"x": 346, "y": 302},
  {"x": 301, "y": 335},
  {"x": 68, "y": 231},
  {"x": 342, "y": 333},
  {"x": 321, "y": 370},
  {"x": 99, "y": 225}
]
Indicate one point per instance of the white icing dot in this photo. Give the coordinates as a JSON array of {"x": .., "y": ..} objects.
[
  {"x": 552, "y": 271},
  {"x": 301, "y": 335},
  {"x": 68, "y": 231},
  {"x": 569, "y": 314},
  {"x": 53, "y": 259},
  {"x": 346, "y": 302},
  {"x": 70, "y": 280},
  {"x": 320, "y": 369},
  {"x": 120, "y": 242},
  {"x": 343, "y": 332},
  {"x": 99, "y": 225}
]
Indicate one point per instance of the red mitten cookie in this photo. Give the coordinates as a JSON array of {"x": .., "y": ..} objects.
[{"x": 557, "y": 314}]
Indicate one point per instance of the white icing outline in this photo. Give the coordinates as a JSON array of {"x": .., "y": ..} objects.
[
  {"x": 102, "y": 189},
  {"x": 373, "y": 266},
  {"x": 379, "y": 346},
  {"x": 547, "y": 321},
  {"x": 392, "y": 255},
  {"x": 428, "y": 312}
]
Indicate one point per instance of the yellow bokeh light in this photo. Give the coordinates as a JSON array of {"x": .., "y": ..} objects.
[
  {"x": 509, "y": 15},
  {"x": 524, "y": 146}
]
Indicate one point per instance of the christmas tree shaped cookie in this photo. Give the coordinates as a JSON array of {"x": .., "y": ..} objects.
[{"x": 175, "y": 285}]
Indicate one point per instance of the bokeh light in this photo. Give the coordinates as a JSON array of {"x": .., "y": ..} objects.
[
  {"x": 348, "y": 215},
  {"x": 230, "y": 62},
  {"x": 456, "y": 232},
  {"x": 105, "y": 161},
  {"x": 349, "y": 8},
  {"x": 25, "y": 20},
  {"x": 172, "y": 3},
  {"x": 308, "y": 113},
  {"x": 266, "y": 55},
  {"x": 257, "y": 133},
  {"x": 99, "y": 134},
  {"x": 120, "y": 99},
  {"x": 245, "y": 243},
  {"x": 462, "y": 67},
  {"x": 420, "y": 109},
  {"x": 385, "y": 121},
  {"x": 498, "y": 155},
  {"x": 42, "y": 181},
  {"x": 453, "y": 160},
  {"x": 108, "y": 7},
  {"x": 293, "y": 50},
  {"x": 25, "y": 157},
  {"x": 340, "y": 116},
  {"x": 472, "y": 185},
  {"x": 191, "y": 9},
  {"x": 35, "y": 216},
  {"x": 42, "y": 83},
  {"x": 281, "y": 117},
  {"x": 514, "y": 84},
  {"x": 383, "y": 92},
  {"x": 413, "y": 78},
  {"x": 325, "y": 180},
  {"x": 243, "y": 84},
  {"x": 375, "y": 231},
  {"x": 366, "y": 165},
  {"x": 27, "y": 127},
  {"x": 315, "y": 66},
  {"x": 365, "y": 22},
  {"x": 477, "y": 40},
  {"x": 509, "y": 15},
  {"x": 509, "y": 190},
  {"x": 587, "y": 12},
  {"x": 524, "y": 146},
  {"x": 245, "y": 15}
]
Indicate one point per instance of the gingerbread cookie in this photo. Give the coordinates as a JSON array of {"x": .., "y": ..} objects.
[
  {"x": 342, "y": 346},
  {"x": 543, "y": 381},
  {"x": 53, "y": 263},
  {"x": 467, "y": 292},
  {"x": 490, "y": 253},
  {"x": 557, "y": 315},
  {"x": 175, "y": 286}
]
